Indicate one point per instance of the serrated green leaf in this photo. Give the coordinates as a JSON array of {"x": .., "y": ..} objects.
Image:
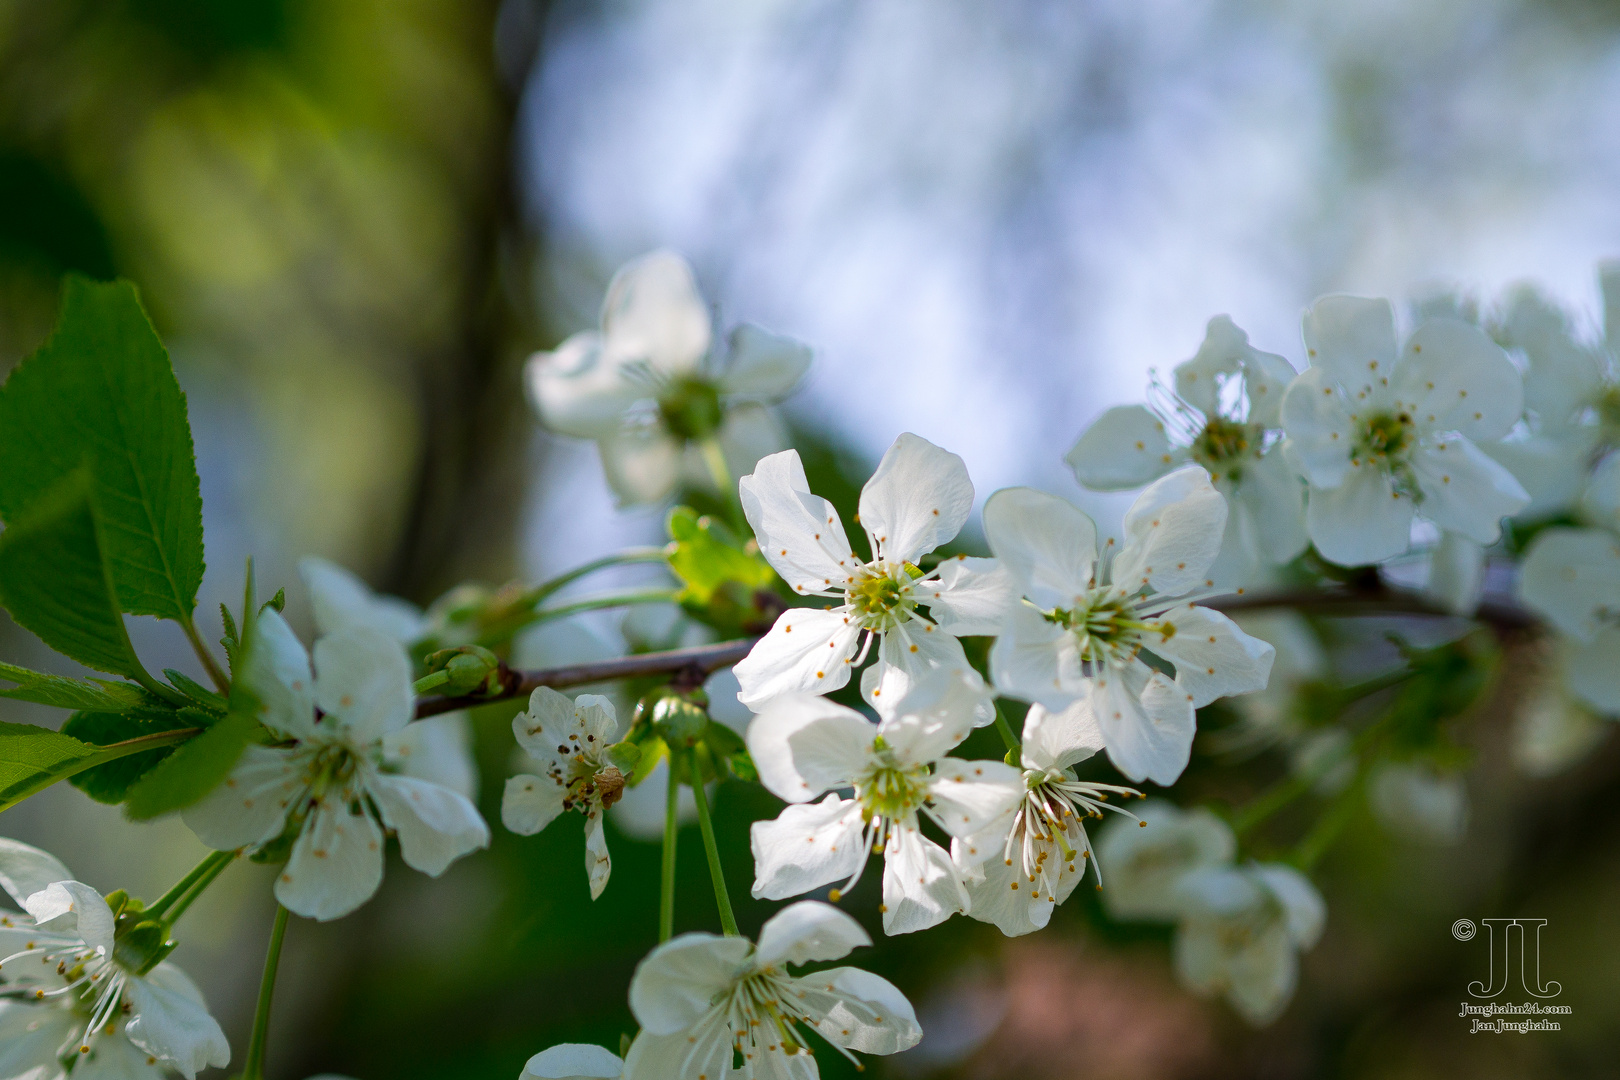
[
  {"x": 54, "y": 582},
  {"x": 195, "y": 690},
  {"x": 101, "y": 392},
  {"x": 193, "y": 770},
  {"x": 33, "y": 758},
  {"x": 110, "y": 782},
  {"x": 68, "y": 693}
]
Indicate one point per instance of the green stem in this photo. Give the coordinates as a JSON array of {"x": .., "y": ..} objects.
[
  {"x": 715, "y": 459},
  {"x": 666, "y": 880},
  {"x": 221, "y": 681},
  {"x": 628, "y": 557},
  {"x": 206, "y": 868},
  {"x": 202, "y": 885},
  {"x": 610, "y": 600},
  {"x": 728, "y": 921},
  {"x": 254, "y": 1070},
  {"x": 1005, "y": 730},
  {"x": 1327, "y": 828}
]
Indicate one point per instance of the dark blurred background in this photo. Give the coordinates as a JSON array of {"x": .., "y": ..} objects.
[{"x": 353, "y": 219}]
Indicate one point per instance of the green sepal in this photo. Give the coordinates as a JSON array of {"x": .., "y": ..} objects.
[{"x": 196, "y": 691}]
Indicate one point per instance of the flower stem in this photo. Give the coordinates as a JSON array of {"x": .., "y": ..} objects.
[
  {"x": 715, "y": 459},
  {"x": 1005, "y": 730},
  {"x": 254, "y": 1070},
  {"x": 206, "y": 880},
  {"x": 728, "y": 921},
  {"x": 204, "y": 873},
  {"x": 666, "y": 881},
  {"x": 608, "y": 600},
  {"x": 222, "y": 682}
]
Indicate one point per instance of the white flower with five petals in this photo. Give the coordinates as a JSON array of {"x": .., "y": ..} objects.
[
  {"x": 1383, "y": 434},
  {"x": 896, "y": 771},
  {"x": 1225, "y": 413},
  {"x": 1148, "y": 858},
  {"x": 705, "y": 1001},
  {"x": 332, "y": 783},
  {"x": 1086, "y": 619},
  {"x": 569, "y": 740},
  {"x": 1035, "y": 863},
  {"x": 647, "y": 389},
  {"x": 918, "y": 499},
  {"x": 111, "y": 1019}
]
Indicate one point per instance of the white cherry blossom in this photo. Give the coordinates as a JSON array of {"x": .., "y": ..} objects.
[
  {"x": 573, "y": 1061},
  {"x": 1384, "y": 433},
  {"x": 1147, "y": 861},
  {"x": 918, "y": 499},
  {"x": 333, "y": 784},
  {"x": 82, "y": 999},
  {"x": 1036, "y": 862},
  {"x": 1571, "y": 577},
  {"x": 1241, "y": 932},
  {"x": 704, "y": 1001},
  {"x": 896, "y": 770},
  {"x": 1413, "y": 799},
  {"x": 1087, "y": 617},
  {"x": 1555, "y": 729},
  {"x": 1224, "y": 415},
  {"x": 569, "y": 740},
  {"x": 648, "y": 389}
]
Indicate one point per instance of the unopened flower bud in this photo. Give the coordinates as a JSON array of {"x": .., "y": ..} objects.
[
  {"x": 679, "y": 719},
  {"x": 467, "y": 669}
]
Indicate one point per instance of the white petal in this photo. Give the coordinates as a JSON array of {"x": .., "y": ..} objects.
[
  {"x": 799, "y": 533},
  {"x": 807, "y": 651},
  {"x": 858, "y": 1010},
  {"x": 653, "y": 312},
  {"x": 807, "y": 932},
  {"x": 279, "y": 675},
  {"x": 342, "y": 600},
  {"x": 919, "y": 497},
  {"x": 748, "y": 434},
  {"x": 921, "y": 887},
  {"x": 574, "y": 1061},
  {"x": 642, "y": 465},
  {"x": 363, "y": 682},
  {"x": 939, "y": 711},
  {"x": 251, "y": 806},
  {"x": 1550, "y": 464},
  {"x": 171, "y": 1022},
  {"x": 1145, "y": 863},
  {"x": 1320, "y": 431},
  {"x": 1213, "y": 658},
  {"x": 556, "y": 730},
  {"x": 436, "y": 826},
  {"x": 1198, "y": 381},
  {"x": 763, "y": 364},
  {"x": 1554, "y": 729},
  {"x": 1457, "y": 573},
  {"x": 438, "y": 749},
  {"x": 1454, "y": 378},
  {"x": 1303, "y": 906},
  {"x": 675, "y": 983},
  {"x": 1601, "y": 501},
  {"x": 1414, "y": 800},
  {"x": 1591, "y": 668},
  {"x": 25, "y": 870},
  {"x": 1362, "y": 521},
  {"x": 704, "y": 1051},
  {"x": 1036, "y": 660},
  {"x": 972, "y": 796},
  {"x": 1564, "y": 375},
  {"x": 598, "y": 864},
  {"x": 31, "y": 1035},
  {"x": 909, "y": 655},
  {"x": 336, "y": 863},
  {"x": 1172, "y": 534},
  {"x": 1266, "y": 377},
  {"x": 971, "y": 596},
  {"x": 806, "y": 847},
  {"x": 1047, "y": 545},
  {"x": 1464, "y": 491},
  {"x": 1258, "y": 978},
  {"x": 578, "y": 392},
  {"x": 1571, "y": 577},
  {"x": 804, "y": 745},
  {"x": 1058, "y": 739},
  {"x": 1352, "y": 338},
  {"x": 80, "y": 909},
  {"x": 1149, "y": 728},
  {"x": 1125, "y": 448},
  {"x": 530, "y": 803},
  {"x": 1002, "y": 898},
  {"x": 1272, "y": 499}
]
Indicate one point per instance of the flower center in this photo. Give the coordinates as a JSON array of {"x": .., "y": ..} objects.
[
  {"x": 691, "y": 408},
  {"x": 755, "y": 1013},
  {"x": 1108, "y": 627},
  {"x": 881, "y": 596},
  {"x": 1385, "y": 436},
  {"x": 1224, "y": 446},
  {"x": 1608, "y": 410},
  {"x": 890, "y": 790}
]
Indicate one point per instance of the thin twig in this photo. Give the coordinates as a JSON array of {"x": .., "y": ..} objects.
[
  {"x": 1501, "y": 615},
  {"x": 520, "y": 684}
]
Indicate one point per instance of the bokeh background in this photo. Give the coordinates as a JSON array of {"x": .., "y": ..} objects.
[{"x": 353, "y": 219}]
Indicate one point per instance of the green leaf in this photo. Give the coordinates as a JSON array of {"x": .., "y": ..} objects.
[
  {"x": 101, "y": 392},
  {"x": 705, "y": 555},
  {"x": 67, "y": 693},
  {"x": 110, "y": 782},
  {"x": 53, "y": 580},
  {"x": 33, "y": 758},
  {"x": 193, "y": 770}
]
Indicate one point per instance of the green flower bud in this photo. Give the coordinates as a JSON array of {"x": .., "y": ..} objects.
[
  {"x": 467, "y": 669},
  {"x": 680, "y": 719},
  {"x": 140, "y": 946}
]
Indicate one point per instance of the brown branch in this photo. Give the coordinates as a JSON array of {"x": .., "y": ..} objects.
[
  {"x": 1382, "y": 600},
  {"x": 520, "y": 684}
]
